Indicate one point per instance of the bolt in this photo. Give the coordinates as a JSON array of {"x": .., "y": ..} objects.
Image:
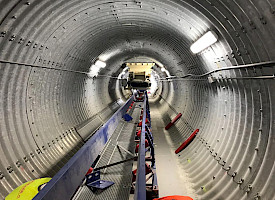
[
  {"x": 1, "y": 175},
  {"x": 28, "y": 3},
  {"x": 260, "y": 130},
  {"x": 241, "y": 181},
  {"x": 243, "y": 29},
  {"x": 228, "y": 168},
  {"x": 257, "y": 196},
  {"x": 14, "y": 17},
  {"x": 263, "y": 20},
  {"x": 249, "y": 187}
]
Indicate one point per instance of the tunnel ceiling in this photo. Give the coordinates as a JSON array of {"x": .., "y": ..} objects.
[{"x": 47, "y": 47}]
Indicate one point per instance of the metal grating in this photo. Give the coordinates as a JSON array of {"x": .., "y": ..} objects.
[{"x": 120, "y": 174}]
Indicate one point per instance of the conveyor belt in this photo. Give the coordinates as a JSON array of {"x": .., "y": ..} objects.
[{"x": 119, "y": 174}]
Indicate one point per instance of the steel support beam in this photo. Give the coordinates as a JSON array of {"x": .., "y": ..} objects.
[{"x": 140, "y": 189}]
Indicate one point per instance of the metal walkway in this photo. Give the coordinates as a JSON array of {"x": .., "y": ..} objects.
[
  {"x": 120, "y": 174},
  {"x": 126, "y": 137},
  {"x": 165, "y": 153}
]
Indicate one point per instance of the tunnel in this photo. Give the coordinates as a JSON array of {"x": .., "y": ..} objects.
[{"x": 50, "y": 106}]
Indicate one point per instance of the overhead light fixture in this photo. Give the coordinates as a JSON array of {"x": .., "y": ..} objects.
[
  {"x": 100, "y": 64},
  {"x": 205, "y": 41},
  {"x": 94, "y": 70},
  {"x": 106, "y": 56}
]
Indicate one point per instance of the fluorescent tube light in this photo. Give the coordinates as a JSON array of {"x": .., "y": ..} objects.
[
  {"x": 94, "y": 70},
  {"x": 203, "y": 42},
  {"x": 100, "y": 64}
]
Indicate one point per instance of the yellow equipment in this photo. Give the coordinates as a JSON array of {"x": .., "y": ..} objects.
[{"x": 27, "y": 191}]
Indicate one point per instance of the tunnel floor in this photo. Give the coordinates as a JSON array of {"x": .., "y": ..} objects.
[{"x": 172, "y": 179}]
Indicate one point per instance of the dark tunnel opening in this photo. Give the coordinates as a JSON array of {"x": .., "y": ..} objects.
[{"x": 47, "y": 49}]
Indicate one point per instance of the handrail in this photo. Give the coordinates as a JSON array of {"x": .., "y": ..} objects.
[
  {"x": 64, "y": 184},
  {"x": 140, "y": 188}
]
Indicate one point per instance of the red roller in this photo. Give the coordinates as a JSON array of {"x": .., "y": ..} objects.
[
  {"x": 138, "y": 133},
  {"x": 147, "y": 171},
  {"x": 186, "y": 142},
  {"x": 173, "y": 121},
  {"x": 146, "y": 145},
  {"x": 89, "y": 171}
]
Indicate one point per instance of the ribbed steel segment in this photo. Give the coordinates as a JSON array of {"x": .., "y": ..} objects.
[{"x": 41, "y": 107}]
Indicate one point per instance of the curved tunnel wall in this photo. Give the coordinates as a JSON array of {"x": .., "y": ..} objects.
[{"x": 40, "y": 108}]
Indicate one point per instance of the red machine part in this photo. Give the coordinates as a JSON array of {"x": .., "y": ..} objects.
[
  {"x": 140, "y": 123},
  {"x": 89, "y": 171},
  {"x": 139, "y": 133},
  {"x": 146, "y": 145},
  {"x": 187, "y": 142},
  {"x": 175, "y": 197},
  {"x": 131, "y": 106},
  {"x": 173, "y": 121},
  {"x": 147, "y": 171}
]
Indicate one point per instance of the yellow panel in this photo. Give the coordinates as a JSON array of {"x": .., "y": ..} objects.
[{"x": 141, "y": 67}]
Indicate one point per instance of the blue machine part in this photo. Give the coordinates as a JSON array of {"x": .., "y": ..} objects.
[
  {"x": 64, "y": 184},
  {"x": 127, "y": 117},
  {"x": 93, "y": 181},
  {"x": 92, "y": 177}
]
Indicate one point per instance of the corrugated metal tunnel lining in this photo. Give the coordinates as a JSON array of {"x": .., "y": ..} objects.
[{"x": 40, "y": 107}]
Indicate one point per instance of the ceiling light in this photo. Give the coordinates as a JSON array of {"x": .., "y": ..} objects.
[
  {"x": 203, "y": 42},
  {"x": 100, "y": 64}
]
